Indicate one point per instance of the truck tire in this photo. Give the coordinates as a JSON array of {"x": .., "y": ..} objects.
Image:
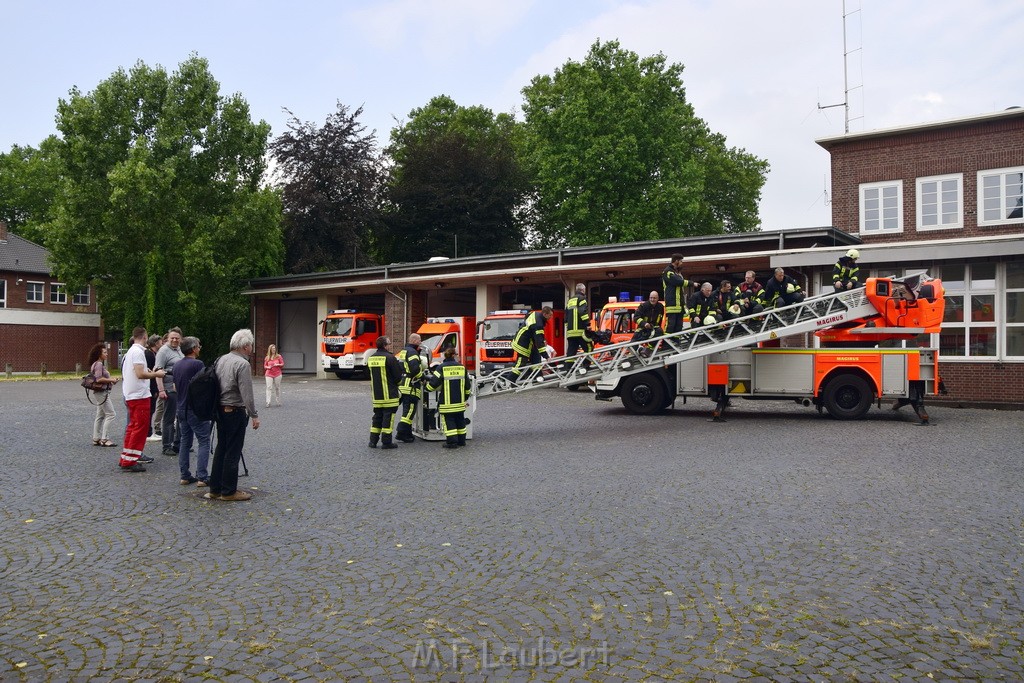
[
  {"x": 848, "y": 397},
  {"x": 643, "y": 394}
]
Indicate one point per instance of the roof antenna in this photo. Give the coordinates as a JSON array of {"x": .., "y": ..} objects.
[{"x": 845, "y": 104}]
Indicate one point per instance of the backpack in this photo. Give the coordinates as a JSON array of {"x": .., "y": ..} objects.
[{"x": 204, "y": 393}]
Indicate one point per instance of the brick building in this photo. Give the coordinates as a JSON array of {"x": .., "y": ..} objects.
[
  {"x": 41, "y": 322},
  {"x": 946, "y": 197}
]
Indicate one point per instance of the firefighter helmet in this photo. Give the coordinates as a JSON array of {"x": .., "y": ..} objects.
[
  {"x": 853, "y": 253},
  {"x": 710, "y": 319}
]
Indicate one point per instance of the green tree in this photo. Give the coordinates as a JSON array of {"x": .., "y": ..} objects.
[
  {"x": 29, "y": 179},
  {"x": 455, "y": 180},
  {"x": 161, "y": 206},
  {"x": 331, "y": 192},
  {"x": 617, "y": 155}
]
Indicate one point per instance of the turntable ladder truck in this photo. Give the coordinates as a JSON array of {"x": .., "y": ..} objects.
[{"x": 724, "y": 360}]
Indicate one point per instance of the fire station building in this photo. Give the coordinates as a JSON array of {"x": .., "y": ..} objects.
[{"x": 942, "y": 197}]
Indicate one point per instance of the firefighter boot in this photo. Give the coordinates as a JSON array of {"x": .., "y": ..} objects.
[
  {"x": 462, "y": 440},
  {"x": 386, "y": 442},
  {"x": 404, "y": 433},
  {"x": 374, "y": 438}
]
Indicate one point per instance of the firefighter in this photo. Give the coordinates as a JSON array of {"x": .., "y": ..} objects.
[
  {"x": 674, "y": 285},
  {"x": 845, "y": 271},
  {"x": 703, "y": 307},
  {"x": 385, "y": 376},
  {"x": 749, "y": 290},
  {"x": 451, "y": 379},
  {"x": 728, "y": 301},
  {"x": 577, "y": 326},
  {"x": 648, "y": 317},
  {"x": 781, "y": 290},
  {"x": 410, "y": 387},
  {"x": 529, "y": 343}
]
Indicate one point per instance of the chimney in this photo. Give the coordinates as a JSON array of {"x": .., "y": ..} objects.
[{"x": 3, "y": 231}]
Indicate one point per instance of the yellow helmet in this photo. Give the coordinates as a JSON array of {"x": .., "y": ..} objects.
[{"x": 853, "y": 253}]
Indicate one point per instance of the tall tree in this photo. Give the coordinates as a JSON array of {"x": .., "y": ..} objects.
[
  {"x": 456, "y": 185},
  {"x": 618, "y": 155},
  {"x": 161, "y": 206},
  {"x": 29, "y": 179},
  {"x": 331, "y": 193}
]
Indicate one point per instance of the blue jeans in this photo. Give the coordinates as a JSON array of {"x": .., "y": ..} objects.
[{"x": 189, "y": 424}]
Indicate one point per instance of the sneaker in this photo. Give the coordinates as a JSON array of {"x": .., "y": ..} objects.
[
  {"x": 210, "y": 495},
  {"x": 168, "y": 451},
  {"x": 145, "y": 458},
  {"x": 237, "y": 495},
  {"x": 202, "y": 482},
  {"x": 155, "y": 437},
  {"x": 137, "y": 467},
  {"x": 188, "y": 480}
]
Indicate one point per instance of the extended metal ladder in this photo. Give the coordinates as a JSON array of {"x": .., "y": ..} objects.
[{"x": 628, "y": 358}]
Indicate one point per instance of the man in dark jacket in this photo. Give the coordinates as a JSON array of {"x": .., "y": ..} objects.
[
  {"x": 529, "y": 343},
  {"x": 845, "y": 273},
  {"x": 703, "y": 307},
  {"x": 412, "y": 368},
  {"x": 577, "y": 326},
  {"x": 781, "y": 290},
  {"x": 648, "y": 318},
  {"x": 749, "y": 290},
  {"x": 674, "y": 285},
  {"x": 451, "y": 379},
  {"x": 385, "y": 376}
]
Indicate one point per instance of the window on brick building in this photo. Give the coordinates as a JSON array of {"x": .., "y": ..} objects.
[
  {"x": 82, "y": 297},
  {"x": 881, "y": 207},
  {"x": 58, "y": 293},
  {"x": 1001, "y": 196},
  {"x": 3, "y": 293},
  {"x": 34, "y": 292},
  {"x": 969, "y": 324},
  {"x": 1014, "y": 307},
  {"x": 940, "y": 202}
]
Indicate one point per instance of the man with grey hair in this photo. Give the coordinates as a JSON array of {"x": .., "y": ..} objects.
[
  {"x": 166, "y": 357},
  {"x": 236, "y": 405},
  {"x": 189, "y": 424}
]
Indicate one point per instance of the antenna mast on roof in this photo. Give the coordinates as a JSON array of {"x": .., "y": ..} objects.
[{"x": 845, "y": 104}]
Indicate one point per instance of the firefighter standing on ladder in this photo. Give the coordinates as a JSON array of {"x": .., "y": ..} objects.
[
  {"x": 674, "y": 287},
  {"x": 529, "y": 343},
  {"x": 385, "y": 374},
  {"x": 577, "y": 325},
  {"x": 409, "y": 388}
]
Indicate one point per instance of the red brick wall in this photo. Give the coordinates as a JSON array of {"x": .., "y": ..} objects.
[
  {"x": 265, "y": 314},
  {"x": 964, "y": 149},
  {"x": 987, "y": 383},
  {"x": 16, "y": 294},
  {"x": 26, "y": 347}
]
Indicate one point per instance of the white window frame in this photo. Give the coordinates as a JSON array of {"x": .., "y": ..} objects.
[
  {"x": 939, "y": 180},
  {"x": 29, "y": 289},
  {"x": 968, "y": 323},
  {"x": 1001, "y": 174},
  {"x": 3, "y": 293},
  {"x": 1007, "y": 325},
  {"x": 883, "y": 228},
  {"x": 82, "y": 297},
  {"x": 58, "y": 293}
]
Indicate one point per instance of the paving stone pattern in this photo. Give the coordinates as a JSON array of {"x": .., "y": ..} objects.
[{"x": 569, "y": 541}]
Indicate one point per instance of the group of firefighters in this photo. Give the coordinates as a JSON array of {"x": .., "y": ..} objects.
[{"x": 398, "y": 380}]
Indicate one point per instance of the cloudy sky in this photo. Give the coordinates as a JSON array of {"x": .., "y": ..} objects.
[{"x": 755, "y": 70}]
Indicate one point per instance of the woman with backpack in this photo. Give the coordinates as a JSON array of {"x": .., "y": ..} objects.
[{"x": 103, "y": 382}]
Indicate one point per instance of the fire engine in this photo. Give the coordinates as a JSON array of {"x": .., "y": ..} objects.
[
  {"x": 724, "y": 360},
  {"x": 347, "y": 339},
  {"x": 457, "y": 331},
  {"x": 495, "y": 333}
]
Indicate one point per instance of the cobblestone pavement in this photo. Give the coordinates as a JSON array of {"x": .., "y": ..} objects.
[{"x": 569, "y": 541}]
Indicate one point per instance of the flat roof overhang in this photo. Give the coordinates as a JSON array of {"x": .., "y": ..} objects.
[{"x": 960, "y": 249}]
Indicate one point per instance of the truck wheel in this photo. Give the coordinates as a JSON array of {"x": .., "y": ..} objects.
[
  {"x": 643, "y": 394},
  {"x": 848, "y": 397}
]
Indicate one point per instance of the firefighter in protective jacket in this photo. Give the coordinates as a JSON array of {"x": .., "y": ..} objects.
[
  {"x": 385, "y": 376},
  {"x": 674, "y": 285},
  {"x": 648, "y": 317},
  {"x": 845, "y": 273},
  {"x": 410, "y": 387},
  {"x": 529, "y": 343},
  {"x": 577, "y": 325},
  {"x": 450, "y": 379},
  {"x": 780, "y": 290},
  {"x": 704, "y": 307}
]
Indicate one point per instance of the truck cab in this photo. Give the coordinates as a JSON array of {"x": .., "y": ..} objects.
[
  {"x": 495, "y": 333},
  {"x": 347, "y": 339},
  {"x": 458, "y": 331}
]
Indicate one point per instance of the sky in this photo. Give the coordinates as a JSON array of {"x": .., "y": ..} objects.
[{"x": 756, "y": 71}]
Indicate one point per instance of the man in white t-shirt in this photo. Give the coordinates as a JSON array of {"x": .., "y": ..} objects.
[{"x": 135, "y": 385}]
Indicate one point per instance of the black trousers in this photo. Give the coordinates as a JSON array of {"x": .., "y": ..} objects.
[{"x": 230, "y": 441}]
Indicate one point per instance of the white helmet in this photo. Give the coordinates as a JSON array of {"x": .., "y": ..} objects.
[
  {"x": 710, "y": 320},
  {"x": 853, "y": 253}
]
